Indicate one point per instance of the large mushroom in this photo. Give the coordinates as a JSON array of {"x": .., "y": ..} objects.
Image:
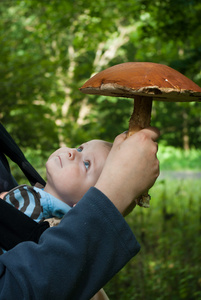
[{"x": 143, "y": 81}]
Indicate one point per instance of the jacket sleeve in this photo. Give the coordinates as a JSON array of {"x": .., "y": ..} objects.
[{"x": 72, "y": 260}]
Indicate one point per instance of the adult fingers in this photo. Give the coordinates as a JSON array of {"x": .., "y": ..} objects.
[{"x": 153, "y": 132}]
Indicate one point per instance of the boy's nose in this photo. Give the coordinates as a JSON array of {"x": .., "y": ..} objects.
[{"x": 72, "y": 154}]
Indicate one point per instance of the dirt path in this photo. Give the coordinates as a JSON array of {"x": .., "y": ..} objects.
[{"x": 180, "y": 175}]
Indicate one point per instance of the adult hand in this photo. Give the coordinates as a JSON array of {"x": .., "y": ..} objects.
[{"x": 130, "y": 169}]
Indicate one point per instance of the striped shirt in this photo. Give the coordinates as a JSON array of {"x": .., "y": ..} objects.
[{"x": 36, "y": 203}]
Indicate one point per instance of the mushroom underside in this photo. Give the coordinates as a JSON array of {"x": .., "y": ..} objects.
[{"x": 158, "y": 93}]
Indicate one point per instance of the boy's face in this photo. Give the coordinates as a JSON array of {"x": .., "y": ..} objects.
[{"x": 71, "y": 172}]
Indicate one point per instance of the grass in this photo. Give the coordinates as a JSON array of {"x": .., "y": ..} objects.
[
  {"x": 177, "y": 159},
  {"x": 168, "y": 265}
]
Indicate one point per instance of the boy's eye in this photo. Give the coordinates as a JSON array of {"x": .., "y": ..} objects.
[
  {"x": 79, "y": 149},
  {"x": 87, "y": 164}
]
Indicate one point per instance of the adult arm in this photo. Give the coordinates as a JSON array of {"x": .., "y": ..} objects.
[{"x": 72, "y": 260}]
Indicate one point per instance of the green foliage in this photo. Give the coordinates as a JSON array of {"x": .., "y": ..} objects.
[
  {"x": 168, "y": 264},
  {"x": 50, "y": 48}
]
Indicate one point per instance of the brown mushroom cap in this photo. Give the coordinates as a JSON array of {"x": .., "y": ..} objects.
[{"x": 157, "y": 81}]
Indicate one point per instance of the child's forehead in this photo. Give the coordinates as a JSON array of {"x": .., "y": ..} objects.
[{"x": 94, "y": 143}]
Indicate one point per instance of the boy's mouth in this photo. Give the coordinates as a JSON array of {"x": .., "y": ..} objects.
[{"x": 60, "y": 161}]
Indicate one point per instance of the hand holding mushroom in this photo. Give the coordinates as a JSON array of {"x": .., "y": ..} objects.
[
  {"x": 144, "y": 82},
  {"x": 123, "y": 178}
]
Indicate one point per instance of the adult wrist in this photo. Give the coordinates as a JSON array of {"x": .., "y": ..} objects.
[{"x": 119, "y": 199}]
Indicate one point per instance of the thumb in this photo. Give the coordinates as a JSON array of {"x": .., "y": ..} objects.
[{"x": 120, "y": 138}]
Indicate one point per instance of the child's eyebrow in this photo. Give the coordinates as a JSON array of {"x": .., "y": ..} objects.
[
  {"x": 78, "y": 146},
  {"x": 84, "y": 145},
  {"x": 81, "y": 145}
]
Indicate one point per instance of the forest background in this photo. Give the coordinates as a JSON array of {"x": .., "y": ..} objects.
[{"x": 48, "y": 50}]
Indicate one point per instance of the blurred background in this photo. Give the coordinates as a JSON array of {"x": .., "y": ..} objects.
[{"x": 48, "y": 50}]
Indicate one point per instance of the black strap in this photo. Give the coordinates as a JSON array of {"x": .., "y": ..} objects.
[
  {"x": 7, "y": 181},
  {"x": 16, "y": 227},
  {"x": 11, "y": 149}
]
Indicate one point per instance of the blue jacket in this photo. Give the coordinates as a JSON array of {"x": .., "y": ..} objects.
[{"x": 72, "y": 260}]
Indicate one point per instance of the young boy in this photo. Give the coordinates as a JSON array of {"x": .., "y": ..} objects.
[{"x": 70, "y": 173}]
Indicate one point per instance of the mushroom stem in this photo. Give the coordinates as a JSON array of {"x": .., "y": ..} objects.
[{"x": 141, "y": 118}]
